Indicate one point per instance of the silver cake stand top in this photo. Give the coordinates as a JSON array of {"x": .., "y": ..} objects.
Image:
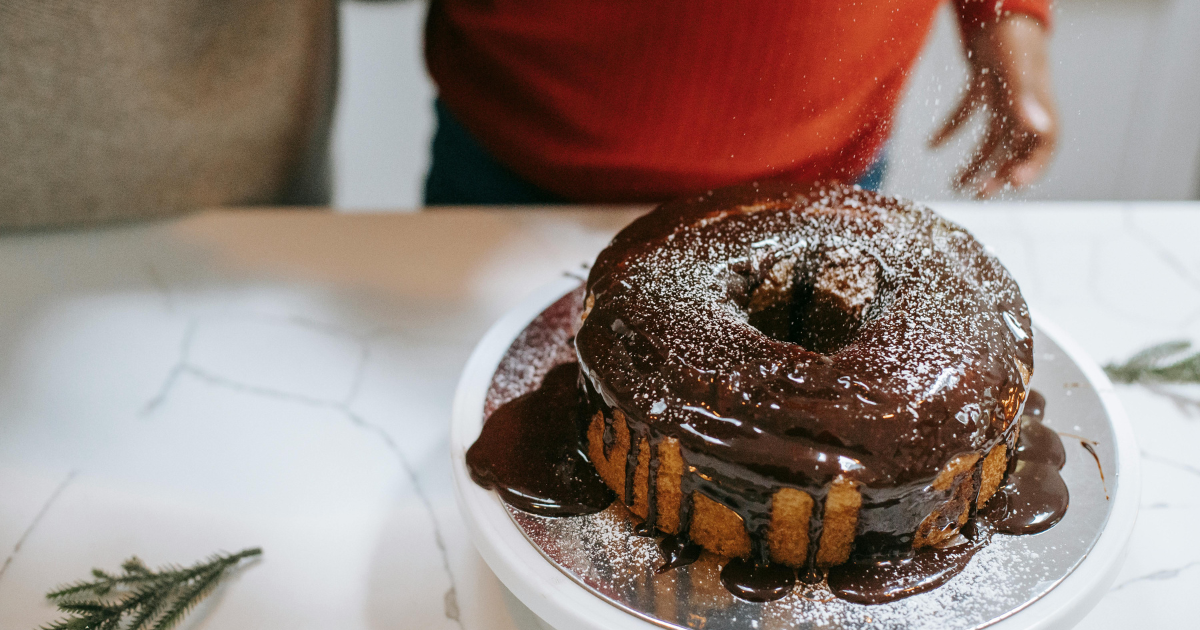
[{"x": 602, "y": 553}]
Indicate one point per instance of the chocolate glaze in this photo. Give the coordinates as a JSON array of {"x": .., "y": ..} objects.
[
  {"x": 756, "y": 582},
  {"x": 1033, "y": 500},
  {"x": 677, "y": 552},
  {"x": 530, "y": 451},
  {"x": 1090, "y": 447},
  {"x": 1034, "y": 497},
  {"x": 1041, "y": 444},
  {"x": 788, "y": 335},
  {"x": 877, "y": 581},
  {"x": 1035, "y": 405},
  {"x": 878, "y": 573}
]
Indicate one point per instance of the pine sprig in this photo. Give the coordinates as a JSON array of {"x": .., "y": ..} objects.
[
  {"x": 1155, "y": 365},
  {"x": 149, "y": 600}
]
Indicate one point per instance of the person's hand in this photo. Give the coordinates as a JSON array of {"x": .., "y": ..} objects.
[{"x": 1010, "y": 81}]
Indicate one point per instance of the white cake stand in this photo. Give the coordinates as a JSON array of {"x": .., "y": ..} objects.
[{"x": 545, "y": 594}]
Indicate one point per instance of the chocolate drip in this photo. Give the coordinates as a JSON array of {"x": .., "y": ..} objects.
[
  {"x": 1035, "y": 405},
  {"x": 976, "y": 484},
  {"x": 1039, "y": 443},
  {"x": 609, "y": 437},
  {"x": 631, "y": 459},
  {"x": 678, "y": 551},
  {"x": 747, "y": 495},
  {"x": 757, "y": 582},
  {"x": 530, "y": 451},
  {"x": 758, "y": 523},
  {"x": 1089, "y": 446},
  {"x": 687, "y": 492},
  {"x": 651, "y": 522},
  {"x": 1034, "y": 497},
  {"x": 800, "y": 334},
  {"x": 889, "y": 579},
  {"x": 816, "y": 523},
  {"x": 1033, "y": 500}
]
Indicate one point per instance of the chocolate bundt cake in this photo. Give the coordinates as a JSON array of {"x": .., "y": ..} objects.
[{"x": 793, "y": 373}]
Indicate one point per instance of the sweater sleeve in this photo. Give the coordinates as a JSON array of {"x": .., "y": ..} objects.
[{"x": 974, "y": 14}]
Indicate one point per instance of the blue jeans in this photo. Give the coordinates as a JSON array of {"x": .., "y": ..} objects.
[{"x": 462, "y": 172}]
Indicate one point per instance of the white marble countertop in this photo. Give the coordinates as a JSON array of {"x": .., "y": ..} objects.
[{"x": 284, "y": 379}]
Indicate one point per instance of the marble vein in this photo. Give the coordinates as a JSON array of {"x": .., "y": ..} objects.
[
  {"x": 1157, "y": 576},
  {"x": 1158, "y": 459},
  {"x": 185, "y": 368},
  {"x": 1095, "y": 282},
  {"x": 185, "y": 347},
  {"x": 37, "y": 518},
  {"x": 1164, "y": 253},
  {"x": 1167, "y": 257}
]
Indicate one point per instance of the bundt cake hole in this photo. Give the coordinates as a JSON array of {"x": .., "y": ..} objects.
[
  {"x": 821, "y": 312},
  {"x": 778, "y": 309}
]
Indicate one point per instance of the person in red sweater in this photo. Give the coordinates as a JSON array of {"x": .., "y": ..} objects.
[{"x": 632, "y": 101}]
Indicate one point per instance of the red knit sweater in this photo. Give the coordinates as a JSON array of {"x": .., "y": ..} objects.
[{"x": 630, "y": 100}]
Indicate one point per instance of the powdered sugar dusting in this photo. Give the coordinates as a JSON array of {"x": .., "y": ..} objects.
[
  {"x": 545, "y": 343},
  {"x": 605, "y": 554},
  {"x": 928, "y": 371},
  {"x": 602, "y": 553}
]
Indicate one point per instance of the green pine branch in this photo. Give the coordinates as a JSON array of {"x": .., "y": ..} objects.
[
  {"x": 146, "y": 599},
  {"x": 1158, "y": 364}
]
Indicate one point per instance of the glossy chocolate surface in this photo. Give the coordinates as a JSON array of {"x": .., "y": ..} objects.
[
  {"x": 677, "y": 551},
  {"x": 885, "y": 580},
  {"x": 1033, "y": 499},
  {"x": 756, "y": 582},
  {"x": 530, "y": 448},
  {"x": 788, "y": 335},
  {"x": 1034, "y": 496},
  {"x": 532, "y": 386},
  {"x": 530, "y": 452}
]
